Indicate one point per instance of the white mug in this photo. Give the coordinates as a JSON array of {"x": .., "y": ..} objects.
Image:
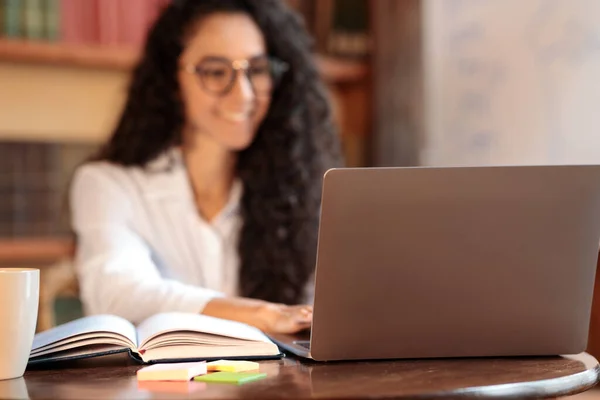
[{"x": 19, "y": 300}]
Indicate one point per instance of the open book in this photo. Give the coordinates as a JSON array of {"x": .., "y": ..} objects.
[{"x": 160, "y": 338}]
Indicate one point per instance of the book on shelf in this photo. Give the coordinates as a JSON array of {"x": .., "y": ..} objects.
[
  {"x": 340, "y": 27},
  {"x": 51, "y": 19},
  {"x": 12, "y": 10},
  {"x": 120, "y": 23},
  {"x": 33, "y": 19},
  {"x": 30, "y": 19},
  {"x": 166, "y": 337}
]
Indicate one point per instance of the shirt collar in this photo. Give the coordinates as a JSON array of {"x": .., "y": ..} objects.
[{"x": 167, "y": 177}]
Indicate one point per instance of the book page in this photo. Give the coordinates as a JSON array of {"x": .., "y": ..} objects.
[
  {"x": 180, "y": 322},
  {"x": 72, "y": 331},
  {"x": 251, "y": 349},
  {"x": 73, "y": 353},
  {"x": 188, "y": 338},
  {"x": 78, "y": 344}
]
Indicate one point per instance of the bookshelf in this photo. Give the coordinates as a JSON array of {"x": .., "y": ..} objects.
[
  {"x": 75, "y": 86},
  {"x": 333, "y": 70},
  {"x": 35, "y": 249},
  {"x": 67, "y": 55}
]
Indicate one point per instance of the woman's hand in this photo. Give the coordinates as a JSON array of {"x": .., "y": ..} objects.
[
  {"x": 280, "y": 318},
  {"x": 268, "y": 317}
]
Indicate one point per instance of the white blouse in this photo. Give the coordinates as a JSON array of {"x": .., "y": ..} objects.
[{"x": 142, "y": 247}]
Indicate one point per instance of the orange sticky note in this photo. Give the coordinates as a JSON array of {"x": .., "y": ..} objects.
[
  {"x": 232, "y": 366},
  {"x": 171, "y": 386}
]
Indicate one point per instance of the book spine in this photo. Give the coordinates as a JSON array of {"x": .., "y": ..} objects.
[
  {"x": 154, "y": 7},
  {"x": 108, "y": 22},
  {"x": 89, "y": 21},
  {"x": 349, "y": 36},
  {"x": 132, "y": 17},
  {"x": 2, "y": 16},
  {"x": 78, "y": 21},
  {"x": 51, "y": 14},
  {"x": 69, "y": 21},
  {"x": 12, "y": 18},
  {"x": 33, "y": 19}
]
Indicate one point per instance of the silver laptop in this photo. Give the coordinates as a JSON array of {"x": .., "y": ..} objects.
[{"x": 454, "y": 262}]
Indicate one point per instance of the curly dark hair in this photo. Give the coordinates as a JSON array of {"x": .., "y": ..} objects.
[{"x": 281, "y": 170}]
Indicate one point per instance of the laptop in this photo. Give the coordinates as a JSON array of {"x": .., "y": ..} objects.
[{"x": 431, "y": 262}]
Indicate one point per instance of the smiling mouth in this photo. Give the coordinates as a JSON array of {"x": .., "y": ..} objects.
[{"x": 235, "y": 117}]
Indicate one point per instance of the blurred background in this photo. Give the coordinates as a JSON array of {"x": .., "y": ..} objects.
[
  {"x": 413, "y": 82},
  {"x": 63, "y": 71}
]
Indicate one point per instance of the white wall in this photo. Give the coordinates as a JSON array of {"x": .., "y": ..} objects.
[{"x": 512, "y": 82}]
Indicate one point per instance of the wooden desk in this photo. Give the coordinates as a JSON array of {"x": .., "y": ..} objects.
[
  {"x": 290, "y": 378},
  {"x": 594, "y": 334}
]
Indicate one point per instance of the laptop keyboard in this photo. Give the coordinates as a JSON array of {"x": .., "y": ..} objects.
[{"x": 303, "y": 343}]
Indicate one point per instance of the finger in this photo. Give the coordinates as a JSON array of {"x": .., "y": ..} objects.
[
  {"x": 293, "y": 322},
  {"x": 303, "y": 326},
  {"x": 305, "y": 309},
  {"x": 295, "y": 327}
]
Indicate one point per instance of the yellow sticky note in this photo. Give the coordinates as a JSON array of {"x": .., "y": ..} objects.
[
  {"x": 230, "y": 377},
  {"x": 232, "y": 366}
]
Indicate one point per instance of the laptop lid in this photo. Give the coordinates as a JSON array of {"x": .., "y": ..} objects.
[{"x": 454, "y": 262}]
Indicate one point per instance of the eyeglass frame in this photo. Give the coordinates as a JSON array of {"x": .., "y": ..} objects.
[{"x": 238, "y": 65}]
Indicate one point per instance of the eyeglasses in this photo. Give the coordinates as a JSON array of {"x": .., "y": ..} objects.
[{"x": 217, "y": 75}]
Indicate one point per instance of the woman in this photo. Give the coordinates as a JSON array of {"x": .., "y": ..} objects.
[{"x": 206, "y": 197}]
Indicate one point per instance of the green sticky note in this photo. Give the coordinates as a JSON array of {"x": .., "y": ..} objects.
[{"x": 230, "y": 377}]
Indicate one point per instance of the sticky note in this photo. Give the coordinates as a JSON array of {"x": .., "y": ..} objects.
[
  {"x": 230, "y": 377},
  {"x": 232, "y": 366},
  {"x": 171, "y": 372},
  {"x": 171, "y": 386}
]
